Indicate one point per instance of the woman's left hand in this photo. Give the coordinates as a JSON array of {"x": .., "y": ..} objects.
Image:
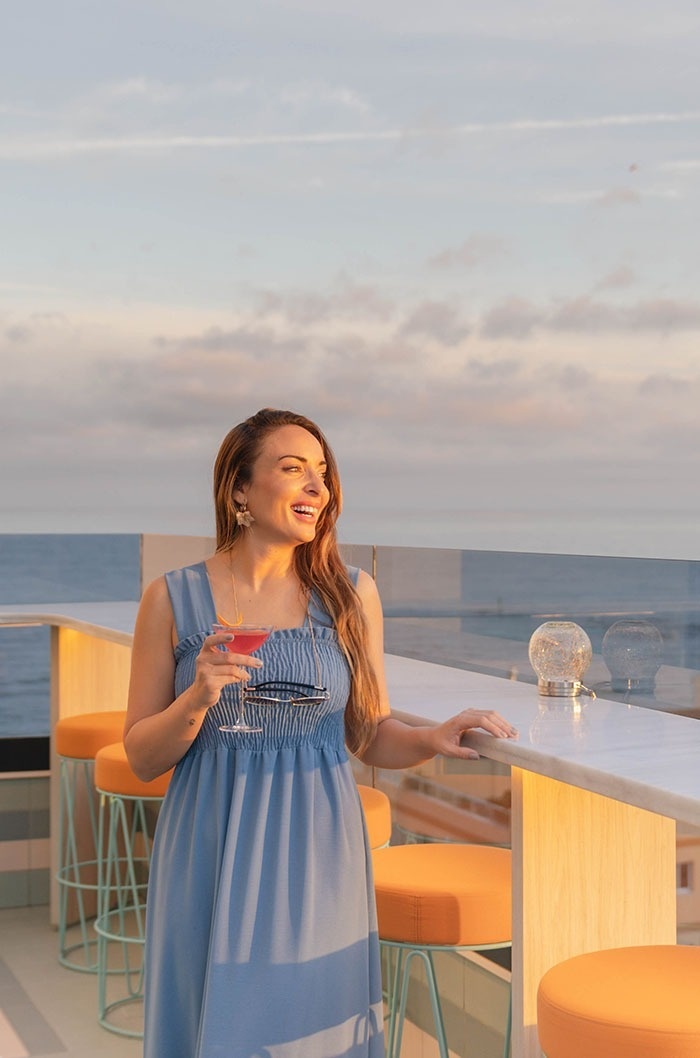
[{"x": 447, "y": 737}]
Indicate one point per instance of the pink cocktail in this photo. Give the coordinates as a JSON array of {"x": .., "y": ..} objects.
[
  {"x": 246, "y": 639},
  {"x": 243, "y": 642}
]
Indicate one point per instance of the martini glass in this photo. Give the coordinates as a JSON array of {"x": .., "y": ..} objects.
[{"x": 246, "y": 639}]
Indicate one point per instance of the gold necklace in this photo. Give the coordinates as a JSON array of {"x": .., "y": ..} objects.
[
  {"x": 239, "y": 621},
  {"x": 239, "y": 615}
]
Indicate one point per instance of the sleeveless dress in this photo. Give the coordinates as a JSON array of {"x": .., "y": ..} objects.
[{"x": 261, "y": 926}]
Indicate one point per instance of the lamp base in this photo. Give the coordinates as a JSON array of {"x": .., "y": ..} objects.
[
  {"x": 559, "y": 688},
  {"x": 642, "y": 685}
]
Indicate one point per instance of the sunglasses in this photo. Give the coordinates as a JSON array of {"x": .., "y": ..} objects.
[{"x": 284, "y": 693}]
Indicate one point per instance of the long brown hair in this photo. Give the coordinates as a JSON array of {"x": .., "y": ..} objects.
[{"x": 317, "y": 564}]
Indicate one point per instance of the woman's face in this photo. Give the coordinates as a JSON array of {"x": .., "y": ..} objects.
[{"x": 287, "y": 492}]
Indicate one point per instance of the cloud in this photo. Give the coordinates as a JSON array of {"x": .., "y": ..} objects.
[
  {"x": 47, "y": 146},
  {"x": 604, "y": 198},
  {"x": 435, "y": 320},
  {"x": 663, "y": 315},
  {"x": 665, "y": 385},
  {"x": 681, "y": 165},
  {"x": 619, "y": 196},
  {"x": 512, "y": 318},
  {"x": 619, "y": 279},
  {"x": 408, "y": 402},
  {"x": 499, "y": 370},
  {"x": 519, "y": 319},
  {"x": 142, "y": 90},
  {"x": 476, "y": 250},
  {"x": 347, "y": 299},
  {"x": 245, "y": 341},
  {"x": 304, "y": 95}
]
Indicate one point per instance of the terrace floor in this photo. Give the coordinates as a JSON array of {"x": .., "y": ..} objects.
[{"x": 47, "y": 1010}]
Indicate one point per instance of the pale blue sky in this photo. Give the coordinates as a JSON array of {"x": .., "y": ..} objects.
[{"x": 462, "y": 237}]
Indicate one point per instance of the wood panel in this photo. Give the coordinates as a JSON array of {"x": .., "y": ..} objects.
[
  {"x": 589, "y": 873},
  {"x": 88, "y": 674}
]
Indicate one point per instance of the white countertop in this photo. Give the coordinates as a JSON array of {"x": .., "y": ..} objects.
[
  {"x": 108, "y": 620},
  {"x": 640, "y": 756}
]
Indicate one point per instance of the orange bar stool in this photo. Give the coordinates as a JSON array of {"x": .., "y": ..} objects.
[
  {"x": 377, "y": 809},
  {"x": 131, "y": 806},
  {"x": 438, "y": 898},
  {"x": 76, "y": 741},
  {"x": 639, "y": 1002}
]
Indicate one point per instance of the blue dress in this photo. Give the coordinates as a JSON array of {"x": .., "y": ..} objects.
[{"x": 261, "y": 924}]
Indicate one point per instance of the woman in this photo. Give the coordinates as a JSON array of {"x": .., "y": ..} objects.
[{"x": 261, "y": 937}]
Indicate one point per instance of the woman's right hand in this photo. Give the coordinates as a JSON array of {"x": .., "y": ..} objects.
[{"x": 216, "y": 668}]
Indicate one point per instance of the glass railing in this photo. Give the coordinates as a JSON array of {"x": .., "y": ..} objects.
[
  {"x": 478, "y": 609},
  {"x": 467, "y": 609}
]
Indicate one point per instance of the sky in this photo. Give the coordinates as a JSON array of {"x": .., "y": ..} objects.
[{"x": 461, "y": 237}]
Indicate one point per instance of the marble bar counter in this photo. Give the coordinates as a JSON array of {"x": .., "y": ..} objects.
[
  {"x": 597, "y": 787},
  {"x": 641, "y": 756},
  {"x": 112, "y": 621}
]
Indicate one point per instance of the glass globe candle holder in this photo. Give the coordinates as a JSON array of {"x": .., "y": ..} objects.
[
  {"x": 560, "y": 652},
  {"x": 632, "y": 650}
]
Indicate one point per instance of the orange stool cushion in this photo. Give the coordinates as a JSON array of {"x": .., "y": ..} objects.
[
  {"x": 640, "y": 1002},
  {"x": 82, "y": 736},
  {"x": 113, "y": 775},
  {"x": 443, "y": 894},
  {"x": 377, "y": 808}
]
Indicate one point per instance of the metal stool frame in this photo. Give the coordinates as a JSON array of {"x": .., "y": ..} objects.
[
  {"x": 121, "y": 919},
  {"x": 403, "y": 954},
  {"x": 70, "y": 875}
]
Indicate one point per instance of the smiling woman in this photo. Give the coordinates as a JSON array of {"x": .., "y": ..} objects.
[{"x": 261, "y": 896}]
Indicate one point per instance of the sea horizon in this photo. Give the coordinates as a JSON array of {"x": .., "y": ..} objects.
[{"x": 622, "y": 533}]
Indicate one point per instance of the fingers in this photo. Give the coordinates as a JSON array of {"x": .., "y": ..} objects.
[
  {"x": 488, "y": 720},
  {"x": 497, "y": 725},
  {"x": 217, "y": 666},
  {"x": 465, "y": 753}
]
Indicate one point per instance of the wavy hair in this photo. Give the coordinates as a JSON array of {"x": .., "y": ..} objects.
[{"x": 317, "y": 564}]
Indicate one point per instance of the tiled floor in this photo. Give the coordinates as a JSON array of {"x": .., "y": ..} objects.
[{"x": 47, "y": 1011}]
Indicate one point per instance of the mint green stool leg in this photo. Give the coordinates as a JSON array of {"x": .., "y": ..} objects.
[
  {"x": 395, "y": 956},
  {"x": 427, "y": 960},
  {"x": 74, "y": 875},
  {"x": 121, "y": 925},
  {"x": 398, "y": 994}
]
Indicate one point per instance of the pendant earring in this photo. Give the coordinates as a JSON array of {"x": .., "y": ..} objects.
[{"x": 244, "y": 519}]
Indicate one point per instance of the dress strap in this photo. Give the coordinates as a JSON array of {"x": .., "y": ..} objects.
[{"x": 191, "y": 599}]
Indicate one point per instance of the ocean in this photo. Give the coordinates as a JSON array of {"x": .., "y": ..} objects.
[
  {"x": 53, "y": 568},
  {"x": 655, "y": 532},
  {"x": 491, "y": 591}
]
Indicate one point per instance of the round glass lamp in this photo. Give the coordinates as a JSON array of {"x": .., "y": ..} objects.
[
  {"x": 560, "y": 652},
  {"x": 632, "y": 650}
]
